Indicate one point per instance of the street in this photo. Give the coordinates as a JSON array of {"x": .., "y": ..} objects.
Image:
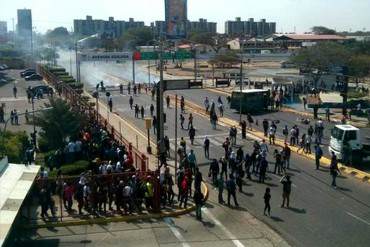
[{"x": 319, "y": 215}]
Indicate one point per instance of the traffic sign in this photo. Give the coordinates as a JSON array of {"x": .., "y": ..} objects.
[{"x": 165, "y": 55}]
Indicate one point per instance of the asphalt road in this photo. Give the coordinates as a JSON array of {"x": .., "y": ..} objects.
[
  {"x": 319, "y": 215},
  {"x": 285, "y": 118}
]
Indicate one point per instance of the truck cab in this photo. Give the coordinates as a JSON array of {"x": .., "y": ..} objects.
[{"x": 342, "y": 136}]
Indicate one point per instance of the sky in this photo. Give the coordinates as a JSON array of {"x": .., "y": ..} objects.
[{"x": 290, "y": 15}]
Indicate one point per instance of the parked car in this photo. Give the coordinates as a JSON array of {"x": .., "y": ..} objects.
[
  {"x": 23, "y": 73},
  {"x": 3, "y": 67},
  {"x": 41, "y": 89},
  {"x": 33, "y": 77}
]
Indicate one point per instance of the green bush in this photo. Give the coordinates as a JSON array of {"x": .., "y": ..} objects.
[
  {"x": 15, "y": 145},
  {"x": 73, "y": 169}
]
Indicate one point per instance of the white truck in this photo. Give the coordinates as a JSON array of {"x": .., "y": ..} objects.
[{"x": 345, "y": 142}]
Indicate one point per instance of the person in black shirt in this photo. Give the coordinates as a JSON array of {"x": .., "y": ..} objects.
[
  {"x": 267, "y": 198},
  {"x": 287, "y": 187}
]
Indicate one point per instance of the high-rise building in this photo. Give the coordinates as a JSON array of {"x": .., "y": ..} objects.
[
  {"x": 3, "y": 28},
  {"x": 201, "y": 26},
  {"x": 110, "y": 28},
  {"x": 176, "y": 17},
  {"x": 24, "y": 24},
  {"x": 250, "y": 27}
]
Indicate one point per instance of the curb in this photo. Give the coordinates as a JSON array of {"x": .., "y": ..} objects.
[
  {"x": 102, "y": 221},
  {"x": 363, "y": 176}
]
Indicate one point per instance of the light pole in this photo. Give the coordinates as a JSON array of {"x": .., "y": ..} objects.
[
  {"x": 241, "y": 88},
  {"x": 160, "y": 117}
]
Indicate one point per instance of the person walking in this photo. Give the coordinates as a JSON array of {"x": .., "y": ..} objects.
[
  {"x": 262, "y": 171},
  {"x": 121, "y": 88},
  {"x": 190, "y": 119},
  {"x": 168, "y": 100},
  {"x": 131, "y": 102},
  {"x": 16, "y": 119},
  {"x": 286, "y": 156},
  {"x": 287, "y": 187},
  {"x": 183, "y": 144},
  {"x": 334, "y": 170},
  {"x": 182, "y": 120},
  {"x": 129, "y": 88},
  {"x": 151, "y": 108},
  {"x": 110, "y": 104},
  {"x": 318, "y": 155},
  {"x": 192, "y": 161},
  {"x": 15, "y": 90},
  {"x": 285, "y": 133},
  {"x": 154, "y": 123},
  {"x": 191, "y": 135},
  {"x": 136, "y": 111},
  {"x": 267, "y": 198},
  {"x": 142, "y": 112},
  {"x": 250, "y": 121},
  {"x": 182, "y": 104},
  {"x": 223, "y": 162},
  {"x": 220, "y": 184},
  {"x": 231, "y": 190},
  {"x": 206, "y": 104},
  {"x": 272, "y": 132},
  {"x": 198, "y": 200},
  {"x": 213, "y": 172},
  {"x": 198, "y": 179},
  {"x": 278, "y": 162},
  {"x": 206, "y": 147}
]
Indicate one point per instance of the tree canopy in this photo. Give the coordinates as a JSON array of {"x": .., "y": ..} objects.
[
  {"x": 58, "y": 123},
  {"x": 324, "y": 57},
  {"x": 225, "y": 59},
  {"x": 135, "y": 37},
  {"x": 213, "y": 40},
  {"x": 322, "y": 30}
]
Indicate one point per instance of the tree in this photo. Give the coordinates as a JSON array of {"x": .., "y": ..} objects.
[
  {"x": 135, "y": 37},
  {"x": 321, "y": 58},
  {"x": 226, "y": 59},
  {"x": 215, "y": 41},
  {"x": 359, "y": 66},
  {"x": 48, "y": 54},
  {"x": 58, "y": 123},
  {"x": 58, "y": 36},
  {"x": 322, "y": 30}
]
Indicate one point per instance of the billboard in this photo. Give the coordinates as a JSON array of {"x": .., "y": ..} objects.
[{"x": 176, "y": 18}]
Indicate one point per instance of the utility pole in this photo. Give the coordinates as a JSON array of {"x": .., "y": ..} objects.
[
  {"x": 77, "y": 63},
  {"x": 160, "y": 117},
  {"x": 148, "y": 71},
  {"x": 195, "y": 63},
  {"x": 241, "y": 88},
  {"x": 345, "y": 90},
  {"x": 133, "y": 71},
  {"x": 176, "y": 137}
]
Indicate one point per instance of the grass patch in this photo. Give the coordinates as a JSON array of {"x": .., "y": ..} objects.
[{"x": 72, "y": 169}]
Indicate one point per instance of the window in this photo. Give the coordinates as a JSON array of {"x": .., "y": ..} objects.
[
  {"x": 350, "y": 135},
  {"x": 337, "y": 133}
]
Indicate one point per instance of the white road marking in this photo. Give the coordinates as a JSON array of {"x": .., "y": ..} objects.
[
  {"x": 358, "y": 218},
  {"x": 235, "y": 241},
  {"x": 176, "y": 232}
]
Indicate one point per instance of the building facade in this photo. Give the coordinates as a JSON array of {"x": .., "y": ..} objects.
[
  {"x": 24, "y": 24},
  {"x": 202, "y": 26},
  {"x": 176, "y": 17},
  {"x": 250, "y": 27},
  {"x": 110, "y": 28},
  {"x": 3, "y": 28}
]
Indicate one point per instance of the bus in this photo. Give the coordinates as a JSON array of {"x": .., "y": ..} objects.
[{"x": 250, "y": 100}]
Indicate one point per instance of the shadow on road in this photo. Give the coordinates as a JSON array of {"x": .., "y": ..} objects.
[{"x": 297, "y": 210}]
